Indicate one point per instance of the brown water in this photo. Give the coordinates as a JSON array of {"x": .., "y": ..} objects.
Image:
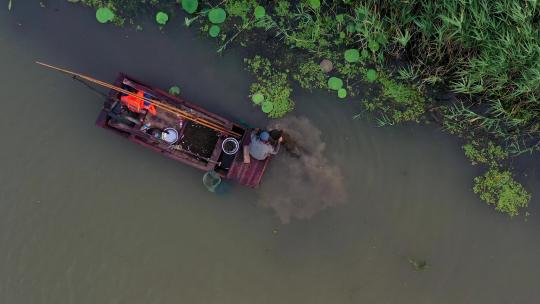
[{"x": 87, "y": 217}]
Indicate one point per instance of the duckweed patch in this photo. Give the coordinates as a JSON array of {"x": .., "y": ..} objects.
[{"x": 273, "y": 85}]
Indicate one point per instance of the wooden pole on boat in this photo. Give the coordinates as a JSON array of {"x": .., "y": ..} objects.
[{"x": 158, "y": 104}]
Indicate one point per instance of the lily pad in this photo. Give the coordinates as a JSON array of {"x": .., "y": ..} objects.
[
  {"x": 352, "y": 55},
  {"x": 190, "y": 6},
  {"x": 335, "y": 83},
  {"x": 174, "y": 90},
  {"x": 374, "y": 46},
  {"x": 217, "y": 15},
  {"x": 371, "y": 75},
  {"x": 214, "y": 31},
  {"x": 104, "y": 15},
  {"x": 342, "y": 93},
  {"x": 162, "y": 18},
  {"x": 259, "y": 12},
  {"x": 267, "y": 107},
  {"x": 315, "y": 4},
  {"x": 257, "y": 98},
  {"x": 364, "y": 53}
]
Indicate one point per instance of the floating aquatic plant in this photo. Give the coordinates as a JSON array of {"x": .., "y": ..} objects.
[
  {"x": 371, "y": 75},
  {"x": 352, "y": 55},
  {"x": 162, "y": 18},
  {"x": 364, "y": 54},
  {"x": 259, "y": 12},
  {"x": 214, "y": 31},
  {"x": 335, "y": 83},
  {"x": 418, "y": 264},
  {"x": 190, "y": 6},
  {"x": 104, "y": 15},
  {"x": 217, "y": 15},
  {"x": 273, "y": 85},
  {"x": 267, "y": 107},
  {"x": 257, "y": 98},
  {"x": 175, "y": 90},
  {"x": 374, "y": 46},
  {"x": 342, "y": 93},
  {"x": 315, "y": 4}
]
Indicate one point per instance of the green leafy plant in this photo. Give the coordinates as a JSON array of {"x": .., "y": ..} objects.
[
  {"x": 271, "y": 84},
  {"x": 315, "y": 4},
  {"x": 174, "y": 90},
  {"x": 259, "y": 12},
  {"x": 371, "y": 75},
  {"x": 491, "y": 154},
  {"x": 342, "y": 93},
  {"x": 335, "y": 83},
  {"x": 190, "y": 6},
  {"x": 374, "y": 46},
  {"x": 217, "y": 15},
  {"x": 214, "y": 30},
  {"x": 499, "y": 188},
  {"x": 352, "y": 55},
  {"x": 162, "y": 18},
  {"x": 267, "y": 107},
  {"x": 257, "y": 98},
  {"x": 310, "y": 76},
  {"x": 104, "y": 15}
]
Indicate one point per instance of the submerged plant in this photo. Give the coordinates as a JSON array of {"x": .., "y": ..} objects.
[{"x": 418, "y": 264}]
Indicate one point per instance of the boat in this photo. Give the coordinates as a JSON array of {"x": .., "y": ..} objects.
[{"x": 188, "y": 138}]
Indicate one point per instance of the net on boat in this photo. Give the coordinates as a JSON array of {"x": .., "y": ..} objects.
[{"x": 211, "y": 181}]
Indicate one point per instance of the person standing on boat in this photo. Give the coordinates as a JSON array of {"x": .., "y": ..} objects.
[{"x": 259, "y": 147}]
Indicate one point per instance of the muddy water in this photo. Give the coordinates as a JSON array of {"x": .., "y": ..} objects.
[{"x": 86, "y": 217}]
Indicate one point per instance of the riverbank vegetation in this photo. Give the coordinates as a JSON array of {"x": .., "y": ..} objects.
[{"x": 472, "y": 66}]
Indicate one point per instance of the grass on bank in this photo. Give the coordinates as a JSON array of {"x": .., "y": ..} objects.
[{"x": 484, "y": 51}]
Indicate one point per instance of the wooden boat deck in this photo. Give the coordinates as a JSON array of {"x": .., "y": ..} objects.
[{"x": 198, "y": 146}]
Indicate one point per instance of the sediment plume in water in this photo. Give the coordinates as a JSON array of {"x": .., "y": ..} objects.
[{"x": 301, "y": 182}]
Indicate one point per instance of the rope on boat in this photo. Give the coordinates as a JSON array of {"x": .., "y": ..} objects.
[{"x": 99, "y": 93}]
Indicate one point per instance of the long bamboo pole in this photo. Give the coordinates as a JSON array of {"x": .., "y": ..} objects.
[{"x": 158, "y": 104}]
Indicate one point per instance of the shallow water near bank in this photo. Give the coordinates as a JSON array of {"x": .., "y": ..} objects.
[{"x": 87, "y": 217}]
